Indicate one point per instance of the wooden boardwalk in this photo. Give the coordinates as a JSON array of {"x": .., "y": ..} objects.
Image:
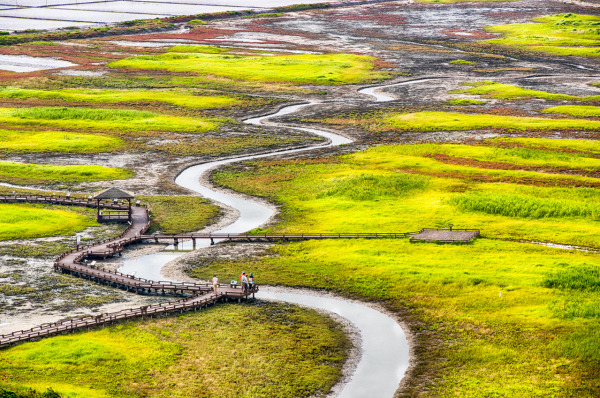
[
  {"x": 73, "y": 263},
  {"x": 445, "y": 235},
  {"x": 201, "y": 295}
]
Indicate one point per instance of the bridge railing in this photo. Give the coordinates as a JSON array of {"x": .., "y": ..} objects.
[{"x": 49, "y": 329}]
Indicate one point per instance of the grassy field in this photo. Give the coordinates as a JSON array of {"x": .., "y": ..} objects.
[
  {"x": 302, "y": 69},
  {"x": 561, "y": 34},
  {"x": 177, "y": 214},
  {"x": 281, "y": 351},
  {"x": 454, "y": 121},
  {"x": 177, "y": 98},
  {"x": 19, "y": 141},
  {"x": 22, "y": 221},
  {"x": 575, "y": 110},
  {"x": 27, "y": 173},
  {"x": 122, "y": 120},
  {"x": 489, "y": 89},
  {"x": 511, "y": 319}
]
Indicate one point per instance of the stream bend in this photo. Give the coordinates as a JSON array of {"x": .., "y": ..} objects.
[{"x": 384, "y": 351}]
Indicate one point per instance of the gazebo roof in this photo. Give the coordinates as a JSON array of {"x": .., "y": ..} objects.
[{"x": 113, "y": 193}]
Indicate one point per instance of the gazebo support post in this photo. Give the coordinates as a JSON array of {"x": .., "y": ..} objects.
[{"x": 98, "y": 211}]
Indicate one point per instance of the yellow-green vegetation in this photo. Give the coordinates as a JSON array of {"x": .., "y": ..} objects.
[
  {"x": 260, "y": 350},
  {"x": 54, "y": 141},
  {"x": 463, "y": 101},
  {"x": 462, "y": 62},
  {"x": 574, "y": 110},
  {"x": 28, "y": 173},
  {"x": 562, "y": 34},
  {"x": 197, "y": 22},
  {"x": 177, "y": 98},
  {"x": 317, "y": 69},
  {"x": 23, "y": 221},
  {"x": 489, "y": 89},
  {"x": 383, "y": 121},
  {"x": 176, "y": 214},
  {"x": 437, "y": 121},
  {"x": 508, "y": 318},
  {"x": 585, "y": 146},
  {"x": 104, "y": 119}
]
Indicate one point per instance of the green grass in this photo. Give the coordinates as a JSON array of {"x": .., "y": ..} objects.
[
  {"x": 27, "y": 173},
  {"x": 561, "y": 34},
  {"x": 592, "y": 146},
  {"x": 535, "y": 339},
  {"x": 574, "y": 110},
  {"x": 265, "y": 15},
  {"x": 177, "y": 98},
  {"x": 452, "y": 121},
  {"x": 104, "y": 119},
  {"x": 462, "y": 62},
  {"x": 489, "y": 89},
  {"x": 21, "y": 221},
  {"x": 463, "y": 101},
  {"x": 302, "y": 69},
  {"x": 281, "y": 351},
  {"x": 177, "y": 214},
  {"x": 18, "y": 141}
]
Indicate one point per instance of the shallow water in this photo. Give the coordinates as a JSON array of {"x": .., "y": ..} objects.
[
  {"x": 151, "y": 8},
  {"x": 25, "y": 63},
  {"x": 385, "y": 352},
  {"x": 379, "y": 97},
  {"x": 75, "y": 15}
]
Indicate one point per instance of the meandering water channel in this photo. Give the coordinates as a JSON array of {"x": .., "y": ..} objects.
[{"x": 384, "y": 351}]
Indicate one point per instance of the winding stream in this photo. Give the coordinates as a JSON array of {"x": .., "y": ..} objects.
[{"x": 385, "y": 352}]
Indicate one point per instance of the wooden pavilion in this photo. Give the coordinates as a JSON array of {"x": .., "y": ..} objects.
[{"x": 117, "y": 211}]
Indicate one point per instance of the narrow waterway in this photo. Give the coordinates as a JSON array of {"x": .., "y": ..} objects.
[{"x": 384, "y": 351}]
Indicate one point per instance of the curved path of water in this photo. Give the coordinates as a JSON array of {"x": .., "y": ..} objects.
[{"x": 385, "y": 351}]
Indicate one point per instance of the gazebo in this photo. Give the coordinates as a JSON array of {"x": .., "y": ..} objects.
[{"x": 116, "y": 211}]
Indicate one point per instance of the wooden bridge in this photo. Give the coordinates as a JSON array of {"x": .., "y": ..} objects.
[{"x": 75, "y": 262}]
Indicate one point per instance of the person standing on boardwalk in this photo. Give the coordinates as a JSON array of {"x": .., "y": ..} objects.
[
  {"x": 251, "y": 281},
  {"x": 215, "y": 283},
  {"x": 244, "y": 282}
]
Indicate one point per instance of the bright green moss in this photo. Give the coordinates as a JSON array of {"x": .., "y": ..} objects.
[
  {"x": 489, "y": 89},
  {"x": 33, "y": 221},
  {"x": 439, "y": 121},
  {"x": 104, "y": 119},
  {"x": 318, "y": 69},
  {"x": 177, "y": 98},
  {"x": 44, "y": 174},
  {"x": 562, "y": 34},
  {"x": 462, "y": 62},
  {"x": 290, "y": 352},
  {"x": 574, "y": 110},
  {"x": 56, "y": 141},
  {"x": 463, "y": 101}
]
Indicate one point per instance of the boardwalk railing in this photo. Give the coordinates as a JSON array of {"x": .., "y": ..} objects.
[
  {"x": 50, "y": 329},
  {"x": 73, "y": 262}
]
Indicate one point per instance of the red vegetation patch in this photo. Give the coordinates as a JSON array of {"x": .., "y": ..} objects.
[
  {"x": 200, "y": 33},
  {"x": 553, "y": 182},
  {"x": 379, "y": 19},
  {"x": 481, "y": 164}
]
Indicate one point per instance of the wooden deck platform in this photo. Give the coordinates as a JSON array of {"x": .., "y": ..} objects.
[{"x": 445, "y": 235}]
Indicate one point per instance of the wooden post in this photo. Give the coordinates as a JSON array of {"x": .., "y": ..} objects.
[
  {"x": 98, "y": 211},
  {"x": 129, "y": 218}
]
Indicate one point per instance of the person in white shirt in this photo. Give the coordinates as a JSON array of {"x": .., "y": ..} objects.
[
  {"x": 244, "y": 282},
  {"x": 215, "y": 283}
]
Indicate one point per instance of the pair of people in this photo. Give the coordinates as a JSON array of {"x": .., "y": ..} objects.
[{"x": 247, "y": 282}]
